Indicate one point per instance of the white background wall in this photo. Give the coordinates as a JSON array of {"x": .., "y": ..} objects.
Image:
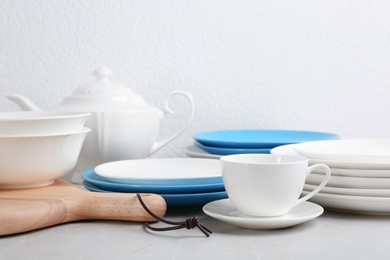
[{"x": 254, "y": 64}]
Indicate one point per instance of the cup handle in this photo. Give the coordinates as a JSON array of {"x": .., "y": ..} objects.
[
  {"x": 158, "y": 145},
  {"x": 319, "y": 187}
]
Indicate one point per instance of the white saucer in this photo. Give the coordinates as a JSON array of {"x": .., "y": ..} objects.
[{"x": 224, "y": 210}]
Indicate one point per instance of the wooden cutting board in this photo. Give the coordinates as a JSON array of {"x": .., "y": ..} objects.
[{"x": 24, "y": 210}]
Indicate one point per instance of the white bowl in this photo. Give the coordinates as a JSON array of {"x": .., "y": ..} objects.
[
  {"x": 37, "y": 160},
  {"x": 41, "y": 122}
]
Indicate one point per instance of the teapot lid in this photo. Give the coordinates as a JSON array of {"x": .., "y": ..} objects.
[{"x": 111, "y": 95}]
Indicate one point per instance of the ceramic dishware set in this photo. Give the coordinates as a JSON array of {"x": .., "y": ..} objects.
[
  {"x": 114, "y": 157},
  {"x": 220, "y": 143},
  {"x": 360, "y": 180},
  {"x": 38, "y": 147},
  {"x": 264, "y": 191}
]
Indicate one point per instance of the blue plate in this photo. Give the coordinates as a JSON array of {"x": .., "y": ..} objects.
[
  {"x": 99, "y": 182},
  {"x": 259, "y": 138},
  {"x": 228, "y": 151},
  {"x": 181, "y": 201}
]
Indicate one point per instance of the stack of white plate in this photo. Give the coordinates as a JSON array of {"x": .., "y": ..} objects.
[
  {"x": 182, "y": 182},
  {"x": 219, "y": 143},
  {"x": 360, "y": 181}
]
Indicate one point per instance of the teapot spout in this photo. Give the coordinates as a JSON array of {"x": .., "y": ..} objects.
[{"x": 24, "y": 103}]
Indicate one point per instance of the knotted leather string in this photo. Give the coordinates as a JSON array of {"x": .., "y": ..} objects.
[{"x": 189, "y": 223}]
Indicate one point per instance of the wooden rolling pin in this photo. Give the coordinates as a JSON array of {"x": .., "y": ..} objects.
[{"x": 29, "y": 209}]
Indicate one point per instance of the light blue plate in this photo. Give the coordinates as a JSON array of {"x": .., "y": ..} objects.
[
  {"x": 99, "y": 182},
  {"x": 228, "y": 151},
  {"x": 178, "y": 201},
  {"x": 259, "y": 138}
]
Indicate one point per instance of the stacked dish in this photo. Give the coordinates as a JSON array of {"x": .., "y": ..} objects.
[
  {"x": 182, "y": 182},
  {"x": 38, "y": 147},
  {"x": 219, "y": 143},
  {"x": 360, "y": 181}
]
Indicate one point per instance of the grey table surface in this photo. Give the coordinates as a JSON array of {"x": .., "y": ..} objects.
[{"x": 333, "y": 235}]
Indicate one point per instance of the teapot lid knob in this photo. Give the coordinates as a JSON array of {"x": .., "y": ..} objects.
[
  {"x": 102, "y": 73},
  {"x": 103, "y": 86}
]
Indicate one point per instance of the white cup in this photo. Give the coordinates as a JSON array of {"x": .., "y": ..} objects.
[{"x": 266, "y": 184}]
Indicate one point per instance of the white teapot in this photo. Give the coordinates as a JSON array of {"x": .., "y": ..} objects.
[{"x": 124, "y": 126}]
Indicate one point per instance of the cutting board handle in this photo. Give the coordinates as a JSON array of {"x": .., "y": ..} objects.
[
  {"x": 20, "y": 214},
  {"x": 117, "y": 206}
]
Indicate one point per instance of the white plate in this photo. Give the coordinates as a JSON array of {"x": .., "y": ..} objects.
[
  {"x": 172, "y": 171},
  {"x": 351, "y": 191},
  {"x": 357, "y": 172},
  {"x": 350, "y": 182},
  {"x": 352, "y": 204},
  {"x": 349, "y": 150},
  {"x": 289, "y": 150},
  {"x": 195, "y": 152},
  {"x": 224, "y": 210}
]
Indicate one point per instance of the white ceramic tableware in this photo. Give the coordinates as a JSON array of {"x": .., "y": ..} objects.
[
  {"x": 124, "y": 126},
  {"x": 350, "y": 150},
  {"x": 265, "y": 184},
  {"x": 355, "y": 165},
  {"x": 41, "y": 122},
  {"x": 350, "y": 191},
  {"x": 352, "y": 204},
  {"x": 159, "y": 171},
  {"x": 358, "y": 172},
  {"x": 225, "y": 211},
  {"x": 37, "y": 160},
  {"x": 350, "y": 182}
]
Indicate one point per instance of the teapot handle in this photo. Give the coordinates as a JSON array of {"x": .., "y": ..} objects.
[{"x": 158, "y": 145}]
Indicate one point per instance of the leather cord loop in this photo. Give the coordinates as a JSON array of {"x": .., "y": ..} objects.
[{"x": 189, "y": 223}]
